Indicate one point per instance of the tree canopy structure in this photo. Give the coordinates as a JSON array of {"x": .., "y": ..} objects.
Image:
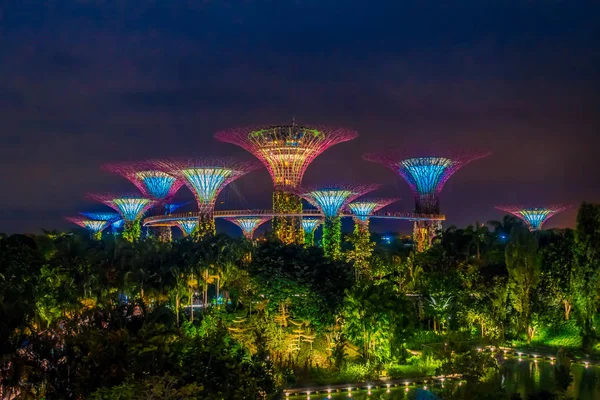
[
  {"x": 310, "y": 226},
  {"x": 534, "y": 217},
  {"x": 426, "y": 177},
  {"x": 131, "y": 207},
  {"x": 151, "y": 181},
  {"x": 187, "y": 226},
  {"x": 206, "y": 177},
  {"x": 95, "y": 227},
  {"x": 248, "y": 224},
  {"x": 286, "y": 151},
  {"x": 331, "y": 200}
]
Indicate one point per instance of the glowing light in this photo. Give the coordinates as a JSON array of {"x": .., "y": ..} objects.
[
  {"x": 425, "y": 173},
  {"x": 101, "y": 216},
  {"x": 206, "y": 182},
  {"x": 187, "y": 226},
  {"x": 131, "y": 208},
  {"x": 148, "y": 178},
  {"x": 587, "y": 364},
  {"x": 330, "y": 201},
  {"x": 286, "y": 150},
  {"x": 170, "y": 207},
  {"x": 310, "y": 224},
  {"x": 248, "y": 224},
  {"x": 534, "y": 217},
  {"x": 118, "y": 224},
  {"x": 95, "y": 227}
]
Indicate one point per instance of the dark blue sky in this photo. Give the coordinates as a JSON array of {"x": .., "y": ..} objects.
[{"x": 87, "y": 82}]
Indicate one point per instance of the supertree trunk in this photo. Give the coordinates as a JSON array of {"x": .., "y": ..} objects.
[
  {"x": 165, "y": 234},
  {"x": 287, "y": 229},
  {"x": 309, "y": 238},
  {"x": 132, "y": 231},
  {"x": 332, "y": 237},
  {"x": 423, "y": 234},
  {"x": 206, "y": 226}
]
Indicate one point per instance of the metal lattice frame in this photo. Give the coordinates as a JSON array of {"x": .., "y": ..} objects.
[
  {"x": 154, "y": 183},
  {"x": 331, "y": 200},
  {"x": 534, "y": 217},
  {"x": 248, "y": 224},
  {"x": 286, "y": 150},
  {"x": 130, "y": 206},
  {"x": 365, "y": 208},
  {"x": 206, "y": 177},
  {"x": 95, "y": 227},
  {"x": 311, "y": 224},
  {"x": 425, "y": 175}
]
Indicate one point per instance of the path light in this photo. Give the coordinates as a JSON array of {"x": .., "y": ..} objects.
[
  {"x": 479, "y": 350},
  {"x": 329, "y": 391},
  {"x": 406, "y": 389},
  {"x": 587, "y": 364},
  {"x": 425, "y": 387}
]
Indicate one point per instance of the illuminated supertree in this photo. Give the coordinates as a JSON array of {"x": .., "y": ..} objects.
[
  {"x": 187, "y": 226},
  {"x": 248, "y": 224},
  {"x": 154, "y": 184},
  {"x": 112, "y": 218},
  {"x": 534, "y": 217},
  {"x": 95, "y": 227},
  {"x": 131, "y": 207},
  {"x": 331, "y": 200},
  {"x": 286, "y": 151},
  {"x": 310, "y": 226},
  {"x": 426, "y": 177},
  {"x": 206, "y": 177},
  {"x": 116, "y": 226}
]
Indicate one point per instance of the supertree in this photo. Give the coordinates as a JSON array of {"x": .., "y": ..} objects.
[
  {"x": 364, "y": 208},
  {"x": 206, "y": 177},
  {"x": 131, "y": 207},
  {"x": 95, "y": 227},
  {"x": 248, "y": 224},
  {"x": 171, "y": 207},
  {"x": 309, "y": 225},
  {"x": 154, "y": 184},
  {"x": 426, "y": 177},
  {"x": 286, "y": 151},
  {"x": 114, "y": 219},
  {"x": 534, "y": 217},
  {"x": 331, "y": 200},
  {"x": 187, "y": 226}
]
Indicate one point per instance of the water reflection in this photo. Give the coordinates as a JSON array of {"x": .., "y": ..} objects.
[{"x": 524, "y": 377}]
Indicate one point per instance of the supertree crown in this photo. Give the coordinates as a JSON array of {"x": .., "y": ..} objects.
[
  {"x": 363, "y": 209},
  {"x": 331, "y": 200},
  {"x": 91, "y": 225},
  {"x": 151, "y": 181},
  {"x": 425, "y": 175},
  {"x": 102, "y": 216},
  {"x": 187, "y": 226},
  {"x": 310, "y": 224},
  {"x": 130, "y": 206},
  {"x": 248, "y": 224},
  {"x": 286, "y": 150},
  {"x": 206, "y": 177},
  {"x": 534, "y": 217}
]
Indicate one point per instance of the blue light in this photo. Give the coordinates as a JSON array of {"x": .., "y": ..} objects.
[
  {"x": 170, "y": 207},
  {"x": 101, "y": 216},
  {"x": 206, "y": 182},
  {"x": 310, "y": 224},
  {"x": 330, "y": 201},
  {"x": 425, "y": 174},
  {"x": 362, "y": 209},
  {"x": 131, "y": 208},
  {"x": 535, "y": 217},
  {"x": 188, "y": 226},
  {"x": 386, "y": 239},
  {"x": 158, "y": 186},
  {"x": 116, "y": 225}
]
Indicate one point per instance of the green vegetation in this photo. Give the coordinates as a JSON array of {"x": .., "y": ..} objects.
[{"x": 113, "y": 319}]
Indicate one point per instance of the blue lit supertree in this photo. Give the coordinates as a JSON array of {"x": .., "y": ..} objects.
[
  {"x": 331, "y": 200},
  {"x": 114, "y": 219},
  {"x": 426, "y": 177},
  {"x": 95, "y": 227},
  {"x": 206, "y": 177},
  {"x": 187, "y": 226},
  {"x": 310, "y": 226},
  {"x": 534, "y": 217},
  {"x": 154, "y": 184},
  {"x": 131, "y": 207},
  {"x": 248, "y": 224},
  {"x": 362, "y": 209}
]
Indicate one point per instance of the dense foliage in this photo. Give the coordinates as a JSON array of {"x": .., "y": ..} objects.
[{"x": 226, "y": 318}]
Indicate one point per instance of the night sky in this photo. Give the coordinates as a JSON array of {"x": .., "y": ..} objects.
[{"x": 83, "y": 83}]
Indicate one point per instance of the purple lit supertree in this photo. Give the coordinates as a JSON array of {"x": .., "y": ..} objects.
[
  {"x": 248, "y": 224},
  {"x": 534, "y": 217},
  {"x": 286, "y": 151},
  {"x": 426, "y": 177},
  {"x": 331, "y": 200},
  {"x": 95, "y": 227},
  {"x": 131, "y": 207},
  {"x": 206, "y": 177}
]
